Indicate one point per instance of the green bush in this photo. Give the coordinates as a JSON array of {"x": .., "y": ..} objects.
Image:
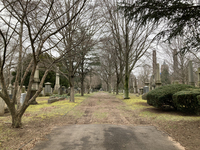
[
  {"x": 187, "y": 100},
  {"x": 144, "y": 96},
  {"x": 162, "y": 96}
]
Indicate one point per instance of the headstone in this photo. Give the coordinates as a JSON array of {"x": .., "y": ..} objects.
[
  {"x": 22, "y": 98},
  {"x": 57, "y": 84},
  {"x": 2, "y": 105},
  {"x": 158, "y": 80},
  {"x": 47, "y": 89},
  {"x": 145, "y": 89},
  {"x": 190, "y": 74}
]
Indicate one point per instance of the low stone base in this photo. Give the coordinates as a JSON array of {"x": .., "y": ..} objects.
[{"x": 52, "y": 100}]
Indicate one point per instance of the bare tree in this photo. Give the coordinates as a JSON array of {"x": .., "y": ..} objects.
[
  {"x": 132, "y": 40},
  {"x": 32, "y": 19},
  {"x": 76, "y": 37}
]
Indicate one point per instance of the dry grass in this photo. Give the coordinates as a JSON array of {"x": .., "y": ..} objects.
[{"x": 35, "y": 113}]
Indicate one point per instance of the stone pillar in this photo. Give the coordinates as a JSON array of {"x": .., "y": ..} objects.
[
  {"x": 198, "y": 73},
  {"x": 35, "y": 85},
  {"x": 175, "y": 66},
  {"x": 57, "y": 84},
  {"x": 190, "y": 74},
  {"x": 154, "y": 63},
  {"x": 135, "y": 86},
  {"x": 158, "y": 80}
]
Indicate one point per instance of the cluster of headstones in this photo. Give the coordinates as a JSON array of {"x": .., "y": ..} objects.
[{"x": 47, "y": 90}]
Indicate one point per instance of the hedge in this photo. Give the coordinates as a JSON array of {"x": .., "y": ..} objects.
[
  {"x": 187, "y": 100},
  {"x": 163, "y": 95},
  {"x": 144, "y": 96}
]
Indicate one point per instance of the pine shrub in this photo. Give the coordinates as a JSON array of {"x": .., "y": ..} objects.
[
  {"x": 187, "y": 100},
  {"x": 162, "y": 96}
]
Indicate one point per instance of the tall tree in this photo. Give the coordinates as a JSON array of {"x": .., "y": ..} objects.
[
  {"x": 132, "y": 39},
  {"x": 76, "y": 39},
  {"x": 31, "y": 23},
  {"x": 180, "y": 16}
]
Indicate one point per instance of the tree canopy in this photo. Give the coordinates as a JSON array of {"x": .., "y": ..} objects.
[{"x": 181, "y": 17}]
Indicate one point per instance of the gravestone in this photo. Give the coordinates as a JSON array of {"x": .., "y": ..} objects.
[
  {"x": 190, "y": 74},
  {"x": 2, "y": 105},
  {"x": 145, "y": 89},
  {"x": 175, "y": 65},
  {"x": 135, "y": 86},
  {"x": 57, "y": 84},
  {"x": 47, "y": 89},
  {"x": 35, "y": 85},
  {"x": 154, "y": 63},
  {"x": 158, "y": 80},
  {"x": 22, "y": 98}
]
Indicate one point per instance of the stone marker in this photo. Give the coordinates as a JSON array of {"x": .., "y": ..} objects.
[
  {"x": 145, "y": 89},
  {"x": 35, "y": 85},
  {"x": 57, "y": 84},
  {"x": 175, "y": 65},
  {"x": 135, "y": 86},
  {"x": 55, "y": 99},
  {"x": 154, "y": 63},
  {"x": 2, "y": 105},
  {"x": 47, "y": 89},
  {"x": 158, "y": 80},
  {"x": 22, "y": 98},
  {"x": 190, "y": 74}
]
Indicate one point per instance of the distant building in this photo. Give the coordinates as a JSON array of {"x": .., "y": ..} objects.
[{"x": 164, "y": 66}]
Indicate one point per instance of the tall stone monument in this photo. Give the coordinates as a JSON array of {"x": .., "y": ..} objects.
[
  {"x": 135, "y": 86},
  {"x": 190, "y": 74},
  {"x": 175, "y": 66},
  {"x": 57, "y": 84},
  {"x": 35, "y": 85},
  {"x": 158, "y": 80},
  {"x": 154, "y": 63}
]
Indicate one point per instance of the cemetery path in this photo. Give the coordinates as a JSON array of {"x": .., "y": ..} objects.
[{"x": 102, "y": 122}]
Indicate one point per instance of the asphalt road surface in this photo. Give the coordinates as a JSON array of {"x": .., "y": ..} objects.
[{"x": 106, "y": 137}]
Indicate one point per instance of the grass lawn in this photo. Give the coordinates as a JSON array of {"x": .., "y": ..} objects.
[{"x": 34, "y": 114}]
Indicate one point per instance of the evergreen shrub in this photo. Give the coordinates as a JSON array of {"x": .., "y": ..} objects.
[
  {"x": 162, "y": 96},
  {"x": 187, "y": 100},
  {"x": 144, "y": 96}
]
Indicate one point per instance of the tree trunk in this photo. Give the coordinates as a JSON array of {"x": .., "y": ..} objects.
[
  {"x": 72, "y": 89},
  {"x": 16, "y": 121},
  {"x": 107, "y": 87},
  {"x": 126, "y": 88},
  {"x": 82, "y": 88},
  {"x": 72, "y": 94},
  {"x": 117, "y": 88}
]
